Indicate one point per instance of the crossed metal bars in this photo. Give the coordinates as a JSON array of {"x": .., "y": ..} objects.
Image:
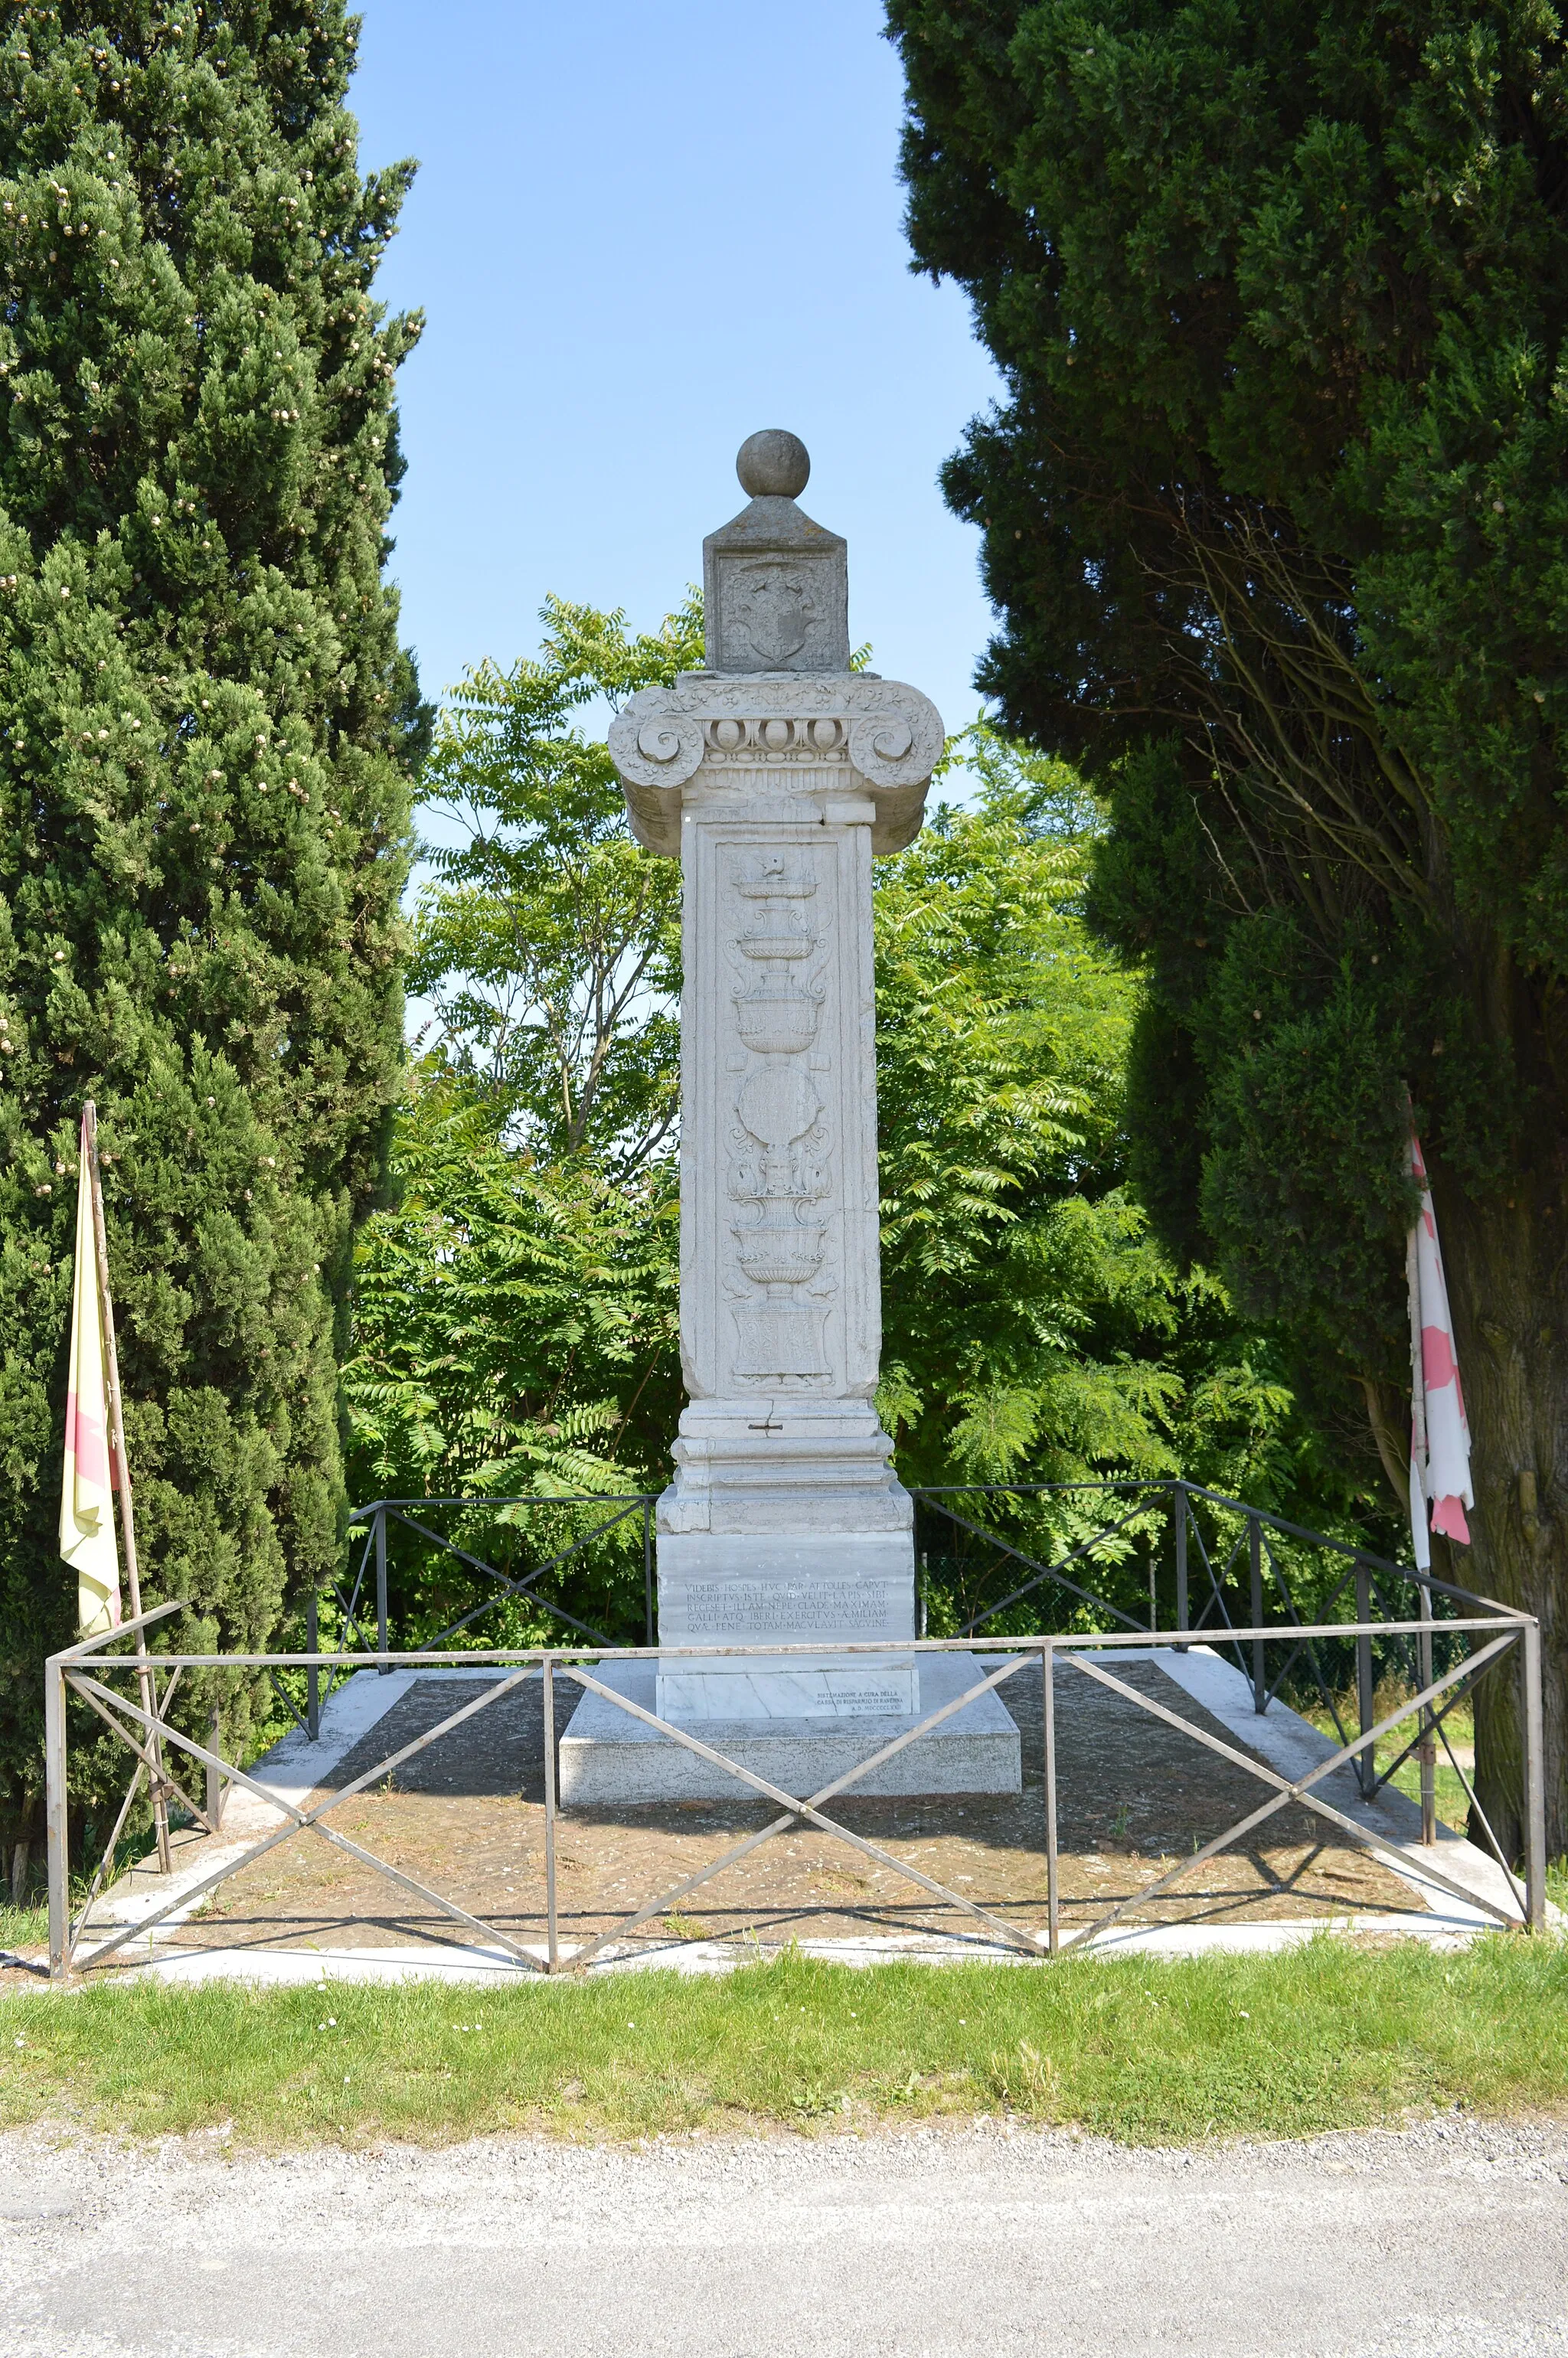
[
  {"x": 372, "y": 1521},
  {"x": 140, "y": 1727},
  {"x": 1139, "y": 1498},
  {"x": 408, "y": 1514},
  {"x": 1259, "y": 1533}
]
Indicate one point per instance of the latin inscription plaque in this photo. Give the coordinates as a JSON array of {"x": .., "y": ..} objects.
[{"x": 722, "y": 1608}]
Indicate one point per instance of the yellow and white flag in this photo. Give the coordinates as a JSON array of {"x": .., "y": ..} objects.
[{"x": 86, "y": 1512}]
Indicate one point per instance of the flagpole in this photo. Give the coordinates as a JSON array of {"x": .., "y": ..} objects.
[{"x": 122, "y": 1472}]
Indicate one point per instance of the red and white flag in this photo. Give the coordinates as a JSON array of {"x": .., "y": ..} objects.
[
  {"x": 86, "y": 1513},
  {"x": 1439, "y": 1436}
]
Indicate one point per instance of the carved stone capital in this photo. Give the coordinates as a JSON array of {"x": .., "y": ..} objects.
[
  {"x": 652, "y": 743},
  {"x": 764, "y": 735}
]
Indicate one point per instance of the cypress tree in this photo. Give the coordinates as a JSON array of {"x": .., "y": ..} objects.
[
  {"x": 207, "y": 734},
  {"x": 1274, "y": 516}
]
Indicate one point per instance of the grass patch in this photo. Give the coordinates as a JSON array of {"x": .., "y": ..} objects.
[
  {"x": 1453, "y": 1803},
  {"x": 1316, "y": 2038},
  {"x": 24, "y": 1928}
]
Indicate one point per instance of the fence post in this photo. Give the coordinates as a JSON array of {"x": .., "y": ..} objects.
[
  {"x": 550, "y": 1813},
  {"x": 1182, "y": 1620},
  {"x": 925, "y": 1588},
  {"x": 1534, "y": 1784},
  {"x": 381, "y": 1588},
  {"x": 1255, "y": 1564},
  {"x": 55, "y": 1818},
  {"x": 1366, "y": 1768},
  {"x": 1426, "y": 1751},
  {"x": 215, "y": 1783},
  {"x": 648, "y": 1572},
  {"x": 312, "y": 1676},
  {"x": 1048, "y": 1687}
]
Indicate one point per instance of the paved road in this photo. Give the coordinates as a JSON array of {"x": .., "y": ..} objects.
[{"x": 1452, "y": 2238}]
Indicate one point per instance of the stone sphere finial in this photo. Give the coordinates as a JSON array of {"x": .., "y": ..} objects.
[{"x": 773, "y": 464}]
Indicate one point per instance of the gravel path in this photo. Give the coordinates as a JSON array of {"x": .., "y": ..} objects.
[{"x": 1449, "y": 2238}]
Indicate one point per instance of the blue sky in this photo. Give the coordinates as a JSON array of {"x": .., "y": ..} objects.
[{"x": 638, "y": 233}]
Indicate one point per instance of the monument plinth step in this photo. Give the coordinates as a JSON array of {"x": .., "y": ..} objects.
[
  {"x": 608, "y": 1759},
  {"x": 789, "y": 1687}
]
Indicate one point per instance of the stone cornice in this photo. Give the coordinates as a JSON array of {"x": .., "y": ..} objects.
[{"x": 774, "y": 732}]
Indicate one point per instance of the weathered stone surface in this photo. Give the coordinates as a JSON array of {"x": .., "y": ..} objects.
[
  {"x": 774, "y": 775},
  {"x": 608, "y": 1757},
  {"x": 722, "y": 1588},
  {"x": 774, "y": 462},
  {"x": 798, "y": 745},
  {"x": 775, "y": 585}
]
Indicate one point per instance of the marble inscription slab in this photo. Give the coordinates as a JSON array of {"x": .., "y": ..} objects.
[{"x": 720, "y": 1608}]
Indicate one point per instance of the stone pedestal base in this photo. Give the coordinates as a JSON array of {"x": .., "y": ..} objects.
[
  {"x": 790, "y": 1689},
  {"x": 609, "y": 1759},
  {"x": 762, "y": 1464},
  {"x": 801, "y": 1588}
]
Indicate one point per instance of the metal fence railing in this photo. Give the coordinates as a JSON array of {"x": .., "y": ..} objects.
[
  {"x": 106, "y": 1684},
  {"x": 1205, "y": 1563},
  {"x": 1238, "y": 1558},
  {"x": 368, "y": 1590}
]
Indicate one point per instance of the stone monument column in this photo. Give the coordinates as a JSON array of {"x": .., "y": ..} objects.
[{"x": 773, "y": 775}]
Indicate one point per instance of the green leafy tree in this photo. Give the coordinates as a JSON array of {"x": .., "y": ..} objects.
[
  {"x": 1274, "y": 515},
  {"x": 516, "y": 1332},
  {"x": 206, "y": 732},
  {"x": 548, "y": 942},
  {"x": 1026, "y": 1309},
  {"x": 516, "y": 1323}
]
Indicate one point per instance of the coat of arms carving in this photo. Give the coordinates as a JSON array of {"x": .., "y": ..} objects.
[{"x": 772, "y": 609}]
